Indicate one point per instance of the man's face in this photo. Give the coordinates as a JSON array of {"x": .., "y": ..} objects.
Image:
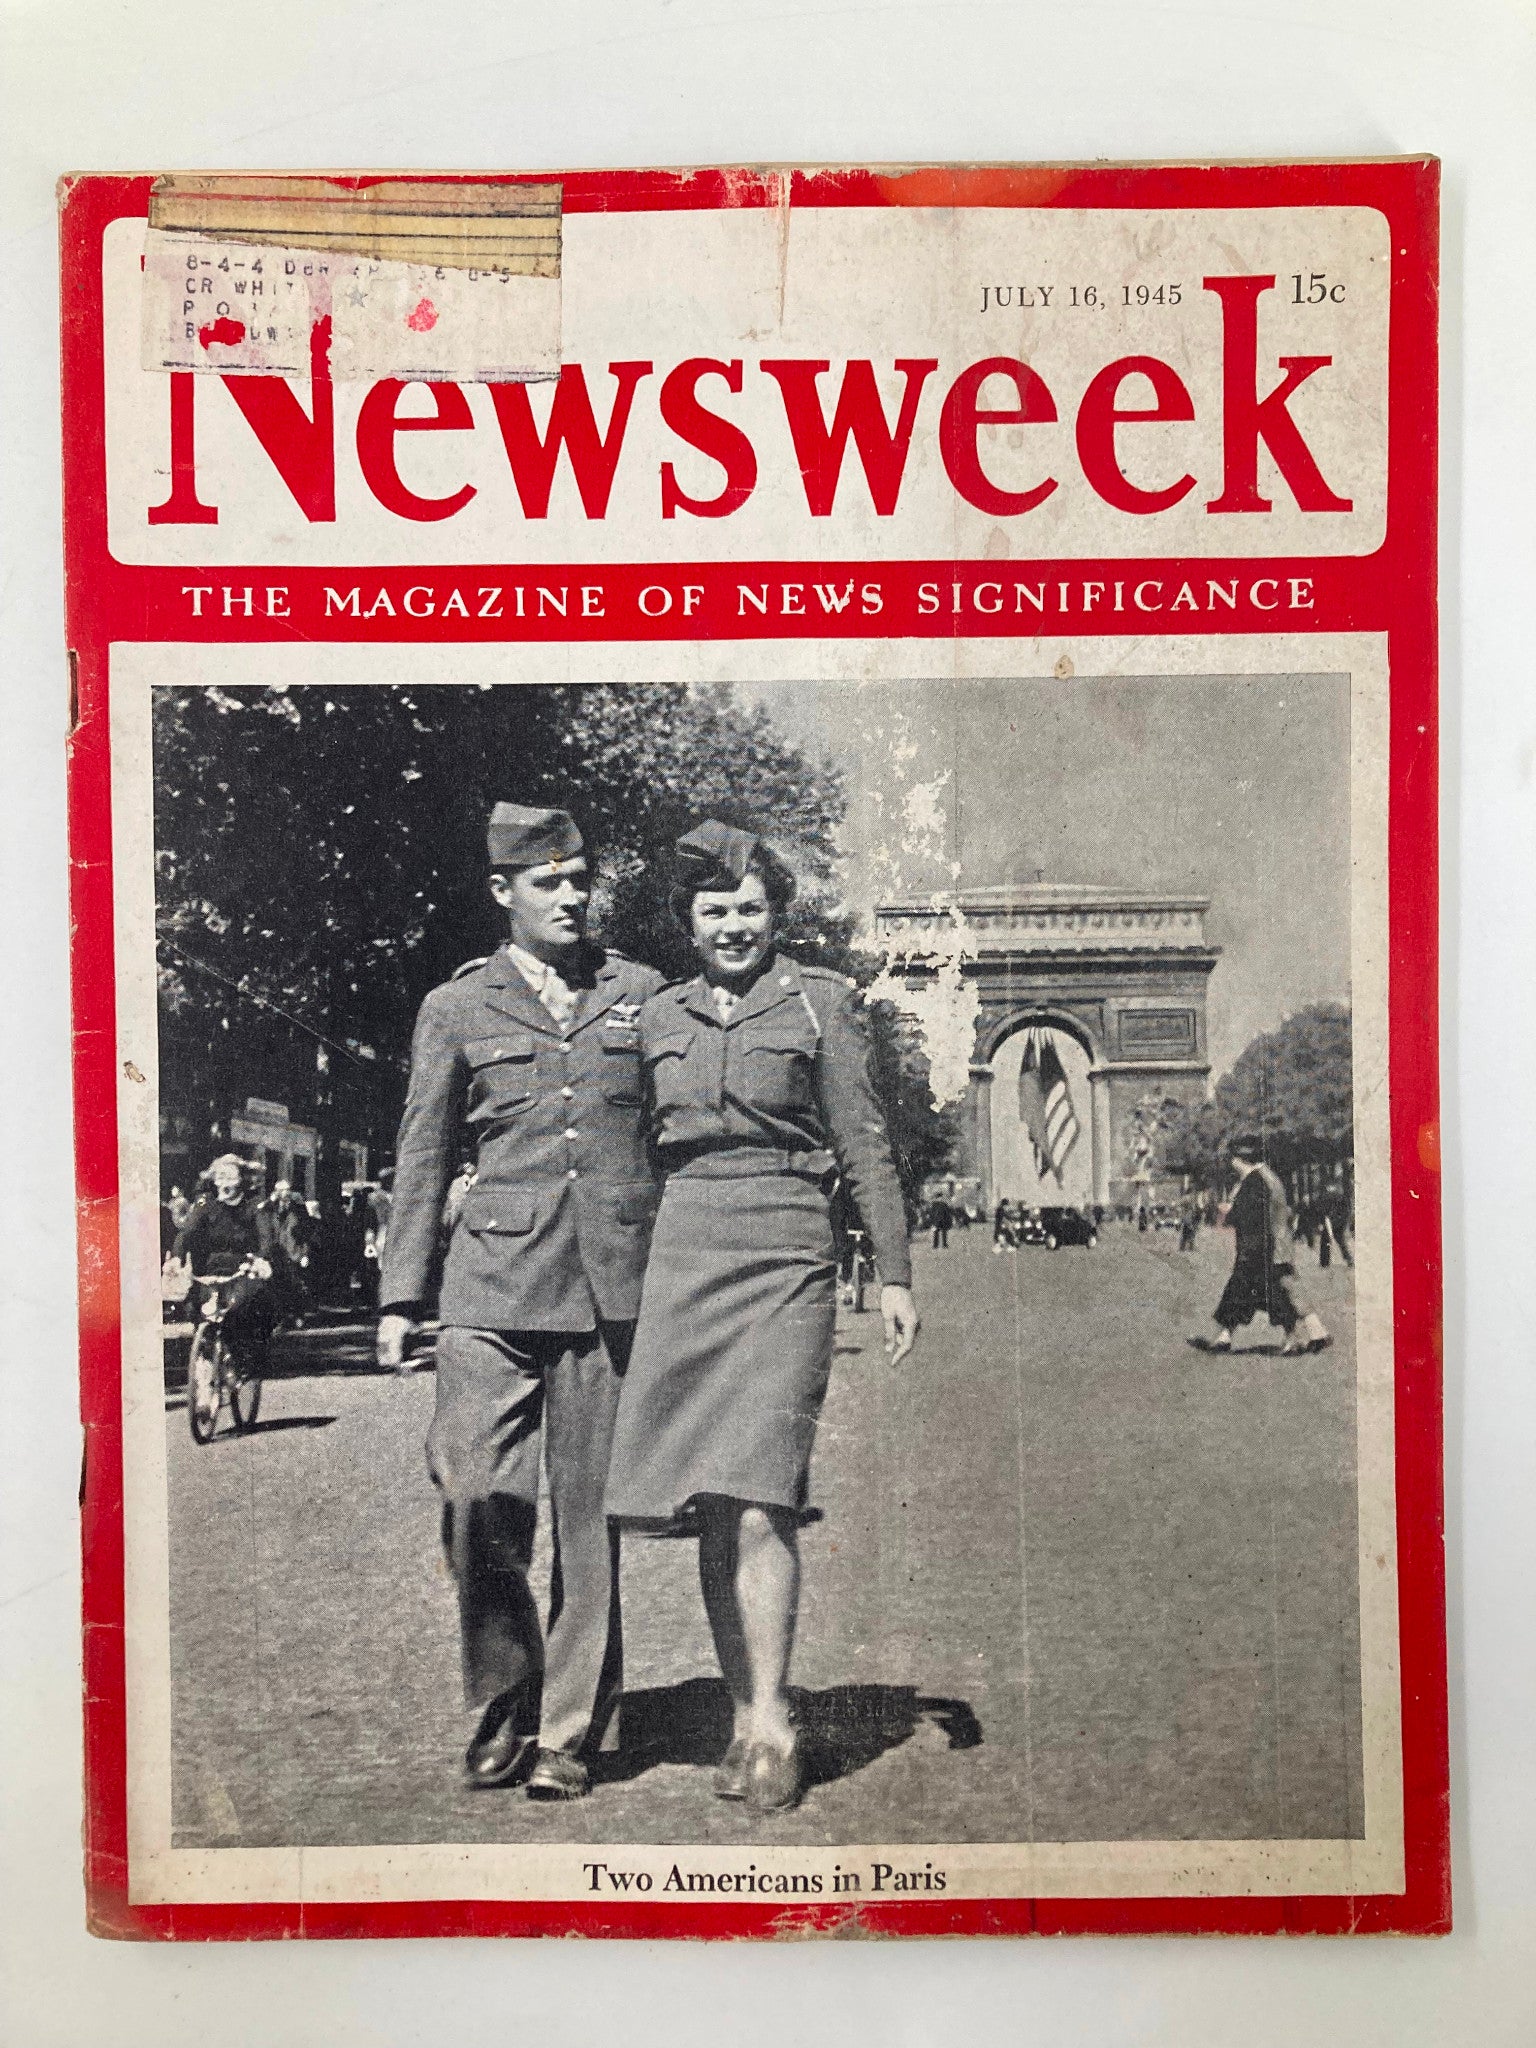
[
  {"x": 546, "y": 906},
  {"x": 228, "y": 1182}
]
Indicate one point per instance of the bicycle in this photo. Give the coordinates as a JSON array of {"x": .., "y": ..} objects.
[{"x": 217, "y": 1369}]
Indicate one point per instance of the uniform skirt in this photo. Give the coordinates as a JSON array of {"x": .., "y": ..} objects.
[{"x": 733, "y": 1347}]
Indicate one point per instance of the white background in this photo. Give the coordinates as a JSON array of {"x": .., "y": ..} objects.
[{"x": 103, "y": 85}]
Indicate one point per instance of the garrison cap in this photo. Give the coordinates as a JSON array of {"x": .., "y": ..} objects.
[
  {"x": 519, "y": 836},
  {"x": 714, "y": 854},
  {"x": 1247, "y": 1145}
]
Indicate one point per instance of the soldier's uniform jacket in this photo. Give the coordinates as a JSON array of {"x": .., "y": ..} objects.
[
  {"x": 787, "y": 1072},
  {"x": 553, "y": 1233}
]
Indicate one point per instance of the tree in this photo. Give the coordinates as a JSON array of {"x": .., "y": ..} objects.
[
  {"x": 923, "y": 1136},
  {"x": 1297, "y": 1082},
  {"x": 320, "y": 852},
  {"x": 1295, "y": 1085},
  {"x": 1192, "y": 1143},
  {"x": 325, "y": 849}
]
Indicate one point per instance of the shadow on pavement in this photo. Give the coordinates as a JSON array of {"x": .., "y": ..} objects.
[
  {"x": 315, "y": 1350},
  {"x": 842, "y": 1728},
  {"x": 260, "y": 1427},
  {"x": 1274, "y": 1350},
  {"x": 176, "y": 1402}
]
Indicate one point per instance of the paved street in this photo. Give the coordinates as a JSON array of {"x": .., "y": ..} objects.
[{"x": 1071, "y": 1580}]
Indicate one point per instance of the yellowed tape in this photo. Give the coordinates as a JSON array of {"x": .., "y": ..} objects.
[{"x": 511, "y": 229}]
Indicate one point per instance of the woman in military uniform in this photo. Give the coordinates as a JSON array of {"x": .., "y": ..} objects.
[{"x": 760, "y": 1097}]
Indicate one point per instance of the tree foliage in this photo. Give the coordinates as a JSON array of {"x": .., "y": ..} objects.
[
  {"x": 321, "y": 851},
  {"x": 324, "y": 849},
  {"x": 1295, "y": 1085}
]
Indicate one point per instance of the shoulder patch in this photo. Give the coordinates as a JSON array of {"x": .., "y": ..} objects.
[{"x": 469, "y": 967}]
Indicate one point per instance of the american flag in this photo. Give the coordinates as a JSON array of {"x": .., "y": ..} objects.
[{"x": 1045, "y": 1104}]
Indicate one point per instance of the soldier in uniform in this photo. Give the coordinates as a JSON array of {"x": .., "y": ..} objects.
[
  {"x": 760, "y": 1093},
  {"x": 537, "y": 1051}
]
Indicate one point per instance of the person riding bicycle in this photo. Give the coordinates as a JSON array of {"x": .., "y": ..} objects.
[{"x": 229, "y": 1228}]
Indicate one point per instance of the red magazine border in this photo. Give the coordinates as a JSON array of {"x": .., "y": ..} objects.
[{"x": 1392, "y": 591}]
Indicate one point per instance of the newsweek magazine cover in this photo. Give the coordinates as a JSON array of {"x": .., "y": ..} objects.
[{"x": 754, "y": 889}]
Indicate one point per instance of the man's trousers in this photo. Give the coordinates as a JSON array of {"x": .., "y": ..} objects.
[{"x": 499, "y": 1392}]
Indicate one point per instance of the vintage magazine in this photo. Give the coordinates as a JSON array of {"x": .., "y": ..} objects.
[{"x": 755, "y": 1013}]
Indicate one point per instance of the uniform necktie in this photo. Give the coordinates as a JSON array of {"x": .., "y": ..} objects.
[
  {"x": 552, "y": 990},
  {"x": 558, "y": 997}
]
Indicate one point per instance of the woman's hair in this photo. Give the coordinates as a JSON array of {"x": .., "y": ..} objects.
[{"x": 777, "y": 880}]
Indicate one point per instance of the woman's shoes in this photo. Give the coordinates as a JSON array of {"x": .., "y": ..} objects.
[
  {"x": 774, "y": 1778},
  {"x": 731, "y": 1771}
]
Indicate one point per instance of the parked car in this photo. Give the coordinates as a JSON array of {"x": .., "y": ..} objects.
[{"x": 1068, "y": 1226}]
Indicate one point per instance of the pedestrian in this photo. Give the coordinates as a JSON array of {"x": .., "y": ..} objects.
[
  {"x": 1189, "y": 1223},
  {"x": 940, "y": 1218},
  {"x": 1002, "y": 1225},
  {"x": 354, "y": 1268},
  {"x": 758, "y": 1071},
  {"x": 1342, "y": 1224},
  {"x": 1264, "y": 1270},
  {"x": 376, "y": 1229},
  {"x": 294, "y": 1230},
  {"x": 1324, "y": 1241},
  {"x": 537, "y": 1050}
]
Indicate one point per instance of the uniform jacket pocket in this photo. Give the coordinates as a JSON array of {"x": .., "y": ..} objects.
[
  {"x": 674, "y": 1045},
  {"x": 512, "y": 1047},
  {"x": 674, "y": 1083},
  {"x": 779, "y": 1067},
  {"x": 498, "y": 1212},
  {"x": 501, "y": 1075}
]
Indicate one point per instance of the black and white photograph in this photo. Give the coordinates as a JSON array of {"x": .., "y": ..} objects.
[{"x": 761, "y": 1263}]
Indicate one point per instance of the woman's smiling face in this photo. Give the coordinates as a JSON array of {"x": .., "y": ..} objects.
[{"x": 733, "y": 929}]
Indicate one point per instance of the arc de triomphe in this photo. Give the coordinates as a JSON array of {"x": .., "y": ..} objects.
[{"x": 1121, "y": 974}]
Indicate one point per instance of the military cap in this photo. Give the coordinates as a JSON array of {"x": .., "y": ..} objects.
[
  {"x": 714, "y": 853},
  {"x": 1247, "y": 1145},
  {"x": 521, "y": 837},
  {"x": 716, "y": 856}
]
